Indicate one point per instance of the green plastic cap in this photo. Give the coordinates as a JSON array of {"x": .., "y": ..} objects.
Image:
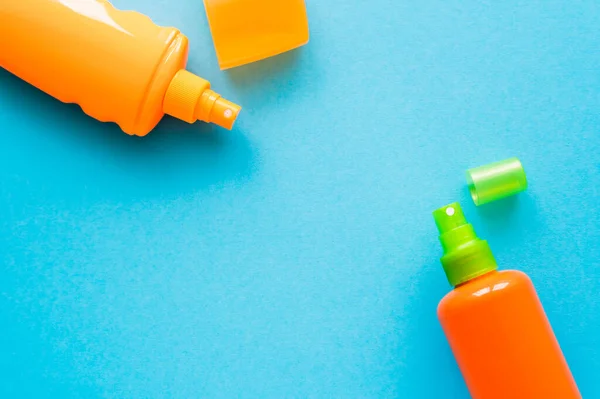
[
  {"x": 465, "y": 255},
  {"x": 496, "y": 181}
]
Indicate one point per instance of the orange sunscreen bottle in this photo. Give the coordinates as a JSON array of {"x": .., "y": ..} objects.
[
  {"x": 117, "y": 65},
  {"x": 495, "y": 323}
]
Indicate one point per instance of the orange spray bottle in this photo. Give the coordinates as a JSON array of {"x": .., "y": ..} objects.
[
  {"x": 495, "y": 323},
  {"x": 117, "y": 65}
]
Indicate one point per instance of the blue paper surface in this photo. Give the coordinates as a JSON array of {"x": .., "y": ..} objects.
[{"x": 296, "y": 257}]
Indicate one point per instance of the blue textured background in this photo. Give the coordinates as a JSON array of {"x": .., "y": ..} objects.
[{"x": 296, "y": 257}]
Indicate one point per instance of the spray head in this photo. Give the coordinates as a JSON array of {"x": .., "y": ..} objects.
[
  {"x": 189, "y": 98},
  {"x": 466, "y": 256}
]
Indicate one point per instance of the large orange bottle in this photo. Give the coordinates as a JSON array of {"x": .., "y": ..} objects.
[
  {"x": 495, "y": 323},
  {"x": 117, "y": 65}
]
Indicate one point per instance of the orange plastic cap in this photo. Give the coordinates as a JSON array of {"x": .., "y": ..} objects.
[
  {"x": 189, "y": 98},
  {"x": 245, "y": 31}
]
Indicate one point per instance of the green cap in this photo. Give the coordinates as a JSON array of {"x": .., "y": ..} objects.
[
  {"x": 465, "y": 255},
  {"x": 496, "y": 181}
]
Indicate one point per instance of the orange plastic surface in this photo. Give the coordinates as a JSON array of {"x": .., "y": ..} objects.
[
  {"x": 502, "y": 340},
  {"x": 117, "y": 65},
  {"x": 245, "y": 31}
]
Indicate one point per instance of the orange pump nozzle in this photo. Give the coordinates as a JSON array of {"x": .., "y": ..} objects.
[
  {"x": 224, "y": 113},
  {"x": 189, "y": 98}
]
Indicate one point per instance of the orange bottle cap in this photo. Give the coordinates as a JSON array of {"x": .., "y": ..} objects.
[{"x": 245, "y": 31}]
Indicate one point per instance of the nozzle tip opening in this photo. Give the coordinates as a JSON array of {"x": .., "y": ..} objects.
[
  {"x": 449, "y": 217},
  {"x": 224, "y": 113}
]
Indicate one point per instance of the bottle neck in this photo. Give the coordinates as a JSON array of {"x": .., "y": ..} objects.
[
  {"x": 475, "y": 279},
  {"x": 471, "y": 260}
]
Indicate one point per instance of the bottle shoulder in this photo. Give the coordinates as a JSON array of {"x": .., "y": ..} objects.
[{"x": 485, "y": 288}]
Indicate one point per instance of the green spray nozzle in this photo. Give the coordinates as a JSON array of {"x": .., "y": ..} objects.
[
  {"x": 466, "y": 256},
  {"x": 449, "y": 217}
]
